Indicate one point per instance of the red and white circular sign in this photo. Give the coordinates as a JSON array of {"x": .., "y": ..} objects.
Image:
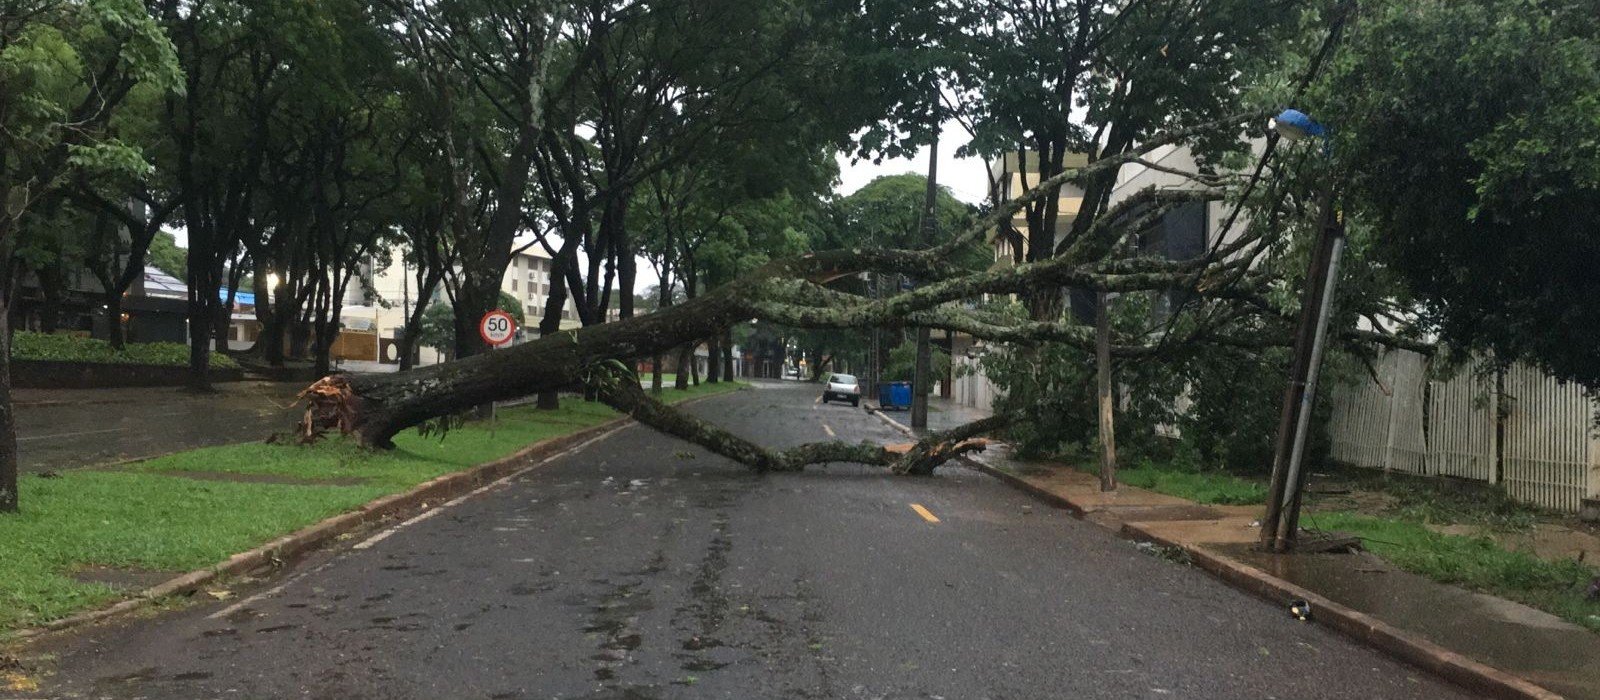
[{"x": 497, "y": 328}]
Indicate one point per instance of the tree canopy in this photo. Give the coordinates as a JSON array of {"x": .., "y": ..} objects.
[{"x": 1470, "y": 135}]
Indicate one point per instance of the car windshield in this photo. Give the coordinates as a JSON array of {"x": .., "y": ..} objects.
[{"x": 843, "y": 379}]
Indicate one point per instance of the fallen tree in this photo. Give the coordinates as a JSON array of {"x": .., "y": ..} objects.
[{"x": 1227, "y": 282}]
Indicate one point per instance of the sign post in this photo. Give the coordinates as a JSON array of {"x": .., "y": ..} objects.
[{"x": 497, "y": 328}]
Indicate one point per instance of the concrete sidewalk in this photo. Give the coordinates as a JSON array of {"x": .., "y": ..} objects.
[{"x": 1495, "y": 645}]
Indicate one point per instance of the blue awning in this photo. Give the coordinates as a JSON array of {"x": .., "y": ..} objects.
[{"x": 242, "y": 298}]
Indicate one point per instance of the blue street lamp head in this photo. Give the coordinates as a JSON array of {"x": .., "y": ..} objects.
[{"x": 1295, "y": 125}]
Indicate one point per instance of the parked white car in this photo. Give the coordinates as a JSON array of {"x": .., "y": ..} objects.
[{"x": 842, "y": 387}]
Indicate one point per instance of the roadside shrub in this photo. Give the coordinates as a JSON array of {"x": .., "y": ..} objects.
[{"x": 26, "y": 345}]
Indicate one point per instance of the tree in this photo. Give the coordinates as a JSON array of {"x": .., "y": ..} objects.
[
  {"x": 486, "y": 67},
  {"x": 1470, "y": 136},
  {"x": 65, "y": 68},
  {"x": 887, "y": 212},
  {"x": 166, "y": 256}
]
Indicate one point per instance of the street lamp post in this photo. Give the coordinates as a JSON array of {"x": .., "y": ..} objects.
[{"x": 1281, "y": 524}]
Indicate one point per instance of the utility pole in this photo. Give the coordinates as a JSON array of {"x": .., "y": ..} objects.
[
  {"x": 1281, "y": 524},
  {"x": 920, "y": 384}
]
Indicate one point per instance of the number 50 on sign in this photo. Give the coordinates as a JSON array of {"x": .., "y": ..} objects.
[{"x": 497, "y": 328}]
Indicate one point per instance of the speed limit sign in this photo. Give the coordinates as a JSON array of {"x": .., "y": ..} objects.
[{"x": 497, "y": 328}]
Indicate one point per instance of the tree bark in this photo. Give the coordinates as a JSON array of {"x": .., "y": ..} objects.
[
  {"x": 1102, "y": 361},
  {"x": 727, "y": 354},
  {"x": 199, "y": 345},
  {"x": 9, "y": 466},
  {"x": 686, "y": 368},
  {"x": 920, "y": 380},
  {"x": 406, "y": 344},
  {"x": 225, "y": 315},
  {"x": 714, "y": 359},
  {"x": 554, "y": 306}
]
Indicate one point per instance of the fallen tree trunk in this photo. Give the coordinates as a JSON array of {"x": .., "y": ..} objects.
[{"x": 374, "y": 408}]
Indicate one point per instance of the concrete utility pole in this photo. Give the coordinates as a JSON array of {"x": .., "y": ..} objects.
[
  {"x": 1282, "y": 522},
  {"x": 930, "y": 227}
]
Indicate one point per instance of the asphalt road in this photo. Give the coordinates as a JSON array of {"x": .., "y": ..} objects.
[{"x": 642, "y": 568}]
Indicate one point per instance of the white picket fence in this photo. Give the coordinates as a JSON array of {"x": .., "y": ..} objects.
[{"x": 1546, "y": 452}]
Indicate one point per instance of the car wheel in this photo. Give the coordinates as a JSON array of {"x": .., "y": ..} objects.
[
  {"x": 824, "y": 398},
  {"x": 855, "y": 402}
]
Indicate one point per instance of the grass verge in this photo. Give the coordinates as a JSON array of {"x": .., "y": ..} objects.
[
  {"x": 1477, "y": 563},
  {"x": 1210, "y": 488},
  {"x": 148, "y": 517}
]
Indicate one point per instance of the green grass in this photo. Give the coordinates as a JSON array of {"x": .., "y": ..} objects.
[
  {"x": 140, "y": 521},
  {"x": 1201, "y": 487},
  {"x": 1557, "y": 587},
  {"x": 26, "y": 345},
  {"x": 148, "y": 517}
]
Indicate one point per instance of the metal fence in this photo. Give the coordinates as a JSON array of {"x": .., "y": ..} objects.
[{"x": 1536, "y": 436}]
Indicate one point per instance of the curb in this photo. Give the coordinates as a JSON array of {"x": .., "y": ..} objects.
[
  {"x": 277, "y": 551},
  {"x": 1357, "y": 625},
  {"x": 1361, "y": 627}
]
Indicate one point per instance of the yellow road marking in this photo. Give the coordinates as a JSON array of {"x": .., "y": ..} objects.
[
  {"x": 19, "y": 683},
  {"x": 827, "y": 429},
  {"x": 924, "y": 513}
]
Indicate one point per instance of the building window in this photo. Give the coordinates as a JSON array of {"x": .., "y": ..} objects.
[{"x": 513, "y": 285}]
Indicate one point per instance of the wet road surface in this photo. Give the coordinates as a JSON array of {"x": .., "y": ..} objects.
[
  {"x": 640, "y": 567},
  {"x": 69, "y": 428}
]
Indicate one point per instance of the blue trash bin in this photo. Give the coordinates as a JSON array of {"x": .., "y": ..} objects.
[{"x": 895, "y": 395}]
